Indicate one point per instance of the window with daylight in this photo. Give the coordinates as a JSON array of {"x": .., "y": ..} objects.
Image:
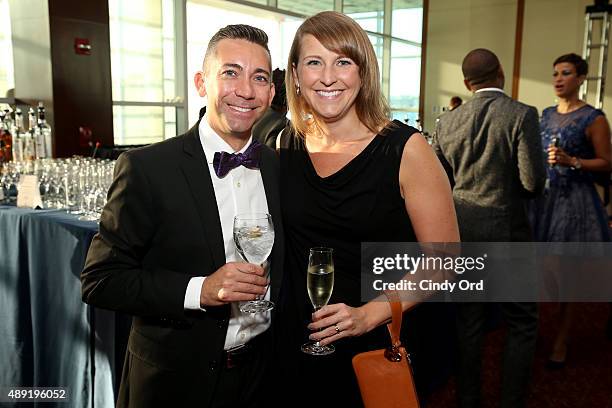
[
  {"x": 7, "y": 80},
  {"x": 158, "y": 45},
  {"x": 147, "y": 94}
]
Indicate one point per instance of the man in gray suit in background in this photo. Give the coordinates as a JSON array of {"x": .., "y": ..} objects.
[{"x": 491, "y": 148}]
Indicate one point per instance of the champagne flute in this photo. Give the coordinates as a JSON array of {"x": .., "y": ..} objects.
[
  {"x": 555, "y": 142},
  {"x": 320, "y": 285},
  {"x": 254, "y": 239}
]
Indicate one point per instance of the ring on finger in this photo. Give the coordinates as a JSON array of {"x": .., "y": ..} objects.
[{"x": 337, "y": 328}]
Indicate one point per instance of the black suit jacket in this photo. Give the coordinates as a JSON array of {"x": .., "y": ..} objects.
[
  {"x": 159, "y": 228},
  {"x": 267, "y": 128}
]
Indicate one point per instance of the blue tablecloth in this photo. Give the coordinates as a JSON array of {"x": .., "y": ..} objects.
[{"x": 48, "y": 336}]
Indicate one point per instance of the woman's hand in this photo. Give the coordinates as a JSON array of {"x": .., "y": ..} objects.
[
  {"x": 557, "y": 156},
  {"x": 338, "y": 321}
]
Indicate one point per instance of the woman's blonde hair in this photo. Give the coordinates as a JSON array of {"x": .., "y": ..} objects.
[{"x": 342, "y": 35}]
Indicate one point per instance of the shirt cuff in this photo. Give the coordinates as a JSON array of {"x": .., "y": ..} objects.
[{"x": 192, "y": 294}]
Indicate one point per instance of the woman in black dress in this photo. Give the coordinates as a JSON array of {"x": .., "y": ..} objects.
[{"x": 348, "y": 175}]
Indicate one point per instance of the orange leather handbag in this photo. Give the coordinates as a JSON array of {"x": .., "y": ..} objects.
[{"x": 384, "y": 376}]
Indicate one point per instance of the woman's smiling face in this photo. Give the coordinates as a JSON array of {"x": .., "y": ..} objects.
[{"x": 329, "y": 82}]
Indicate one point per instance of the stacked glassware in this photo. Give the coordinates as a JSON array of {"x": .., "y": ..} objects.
[{"x": 78, "y": 185}]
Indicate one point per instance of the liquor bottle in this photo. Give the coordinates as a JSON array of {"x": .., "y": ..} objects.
[
  {"x": 28, "y": 138},
  {"x": 45, "y": 132},
  {"x": 35, "y": 131},
  {"x": 8, "y": 120},
  {"x": 29, "y": 146},
  {"x": 18, "y": 135},
  {"x": 6, "y": 138},
  {"x": 419, "y": 125},
  {"x": 32, "y": 119}
]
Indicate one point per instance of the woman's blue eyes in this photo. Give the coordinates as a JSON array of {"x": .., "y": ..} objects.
[{"x": 339, "y": 62}]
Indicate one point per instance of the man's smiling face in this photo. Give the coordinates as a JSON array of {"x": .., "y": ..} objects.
[{"x": 238, "y": 88}]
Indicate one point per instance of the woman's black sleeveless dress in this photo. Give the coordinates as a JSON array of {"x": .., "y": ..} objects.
[{"x": 359, "y": 203}]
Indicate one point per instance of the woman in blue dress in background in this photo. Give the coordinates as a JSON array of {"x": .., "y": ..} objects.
[{"x": 576, "y": 137}]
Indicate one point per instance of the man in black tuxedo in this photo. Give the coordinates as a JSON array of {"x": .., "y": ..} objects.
[{"x": 165, "y": 251}]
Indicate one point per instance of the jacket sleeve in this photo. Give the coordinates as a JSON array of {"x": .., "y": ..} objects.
[
  {"x": 438, "y": 150},
  {"x": 532, "y": 170},
  {"x": 114, "y": 277}
]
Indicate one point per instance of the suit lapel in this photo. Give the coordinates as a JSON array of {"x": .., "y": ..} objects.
[
  {"x": 269, "y": 174},
  {"x": 195, "y": 169}
]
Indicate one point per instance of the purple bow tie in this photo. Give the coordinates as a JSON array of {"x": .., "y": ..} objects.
[{"x": 223, "y": 162}]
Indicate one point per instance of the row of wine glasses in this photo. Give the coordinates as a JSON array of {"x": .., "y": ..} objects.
[
  {"x": 254, "y": 239},
  {"x": 9, "y": 178},
  {"x": 78, "y": 185}
]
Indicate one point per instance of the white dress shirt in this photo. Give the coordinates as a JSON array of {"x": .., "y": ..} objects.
[
  {"x": 240, "y": 191},
  {"x": 491, "y": 90}
]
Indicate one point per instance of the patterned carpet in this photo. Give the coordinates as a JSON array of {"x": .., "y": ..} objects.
[{"x": 586, "y": 380}]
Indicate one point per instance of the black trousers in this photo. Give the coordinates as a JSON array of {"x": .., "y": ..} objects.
[
  {"x": 519, "y": 350},
  {"x": 245, "y": 385}
]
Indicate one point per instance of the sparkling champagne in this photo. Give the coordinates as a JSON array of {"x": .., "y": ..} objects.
[{"x": 320, "y": 283}]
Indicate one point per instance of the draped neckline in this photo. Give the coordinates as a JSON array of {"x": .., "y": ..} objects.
[{"x": 353, "y": 164}]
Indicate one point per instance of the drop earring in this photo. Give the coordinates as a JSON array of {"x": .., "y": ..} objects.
[{"x": 297, "y": 89}]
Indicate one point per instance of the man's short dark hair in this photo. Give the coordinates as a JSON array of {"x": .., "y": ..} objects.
[
  {"x": 237, "y": 32},
  {"x": 279, "y": 102},
  {"x": 480, "y": 66},
  {"x": 582, "y": 67},
  {"x": 456, "y": 101}
]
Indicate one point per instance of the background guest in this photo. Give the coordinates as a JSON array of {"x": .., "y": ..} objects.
[
  {"x": 492, "y": 176},
  {"x": 266, "y": 130},
  {"x": 571, "y": 210},
  {"x": 455, "y": 102}
]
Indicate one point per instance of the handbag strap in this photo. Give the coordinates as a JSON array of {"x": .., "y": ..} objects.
[{"x": 396, "y": 317}]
